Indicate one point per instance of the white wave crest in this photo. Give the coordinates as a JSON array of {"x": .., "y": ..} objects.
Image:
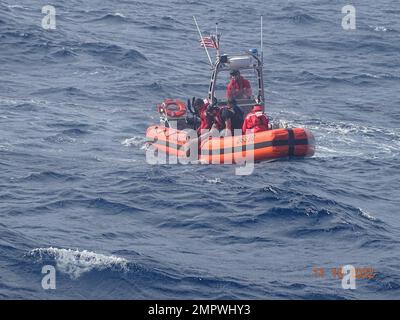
[
  {"x": 367, "y": 215},
  {"x": 117, "y": 14},
  {"x": 75, "y": 262},
  {"x": 6, "y": 146},
  {"x": 136, "y": 141},
  {"x": 14, "y": 102},
  {"x": 379, "y": 28},
  {"x": 16, "y": 6},
  {"x": 214, "y": 181}
]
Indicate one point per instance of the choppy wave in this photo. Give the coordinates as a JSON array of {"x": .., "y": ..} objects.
[
  {"x": 136, "y": 141},
  {"x": 337, "y": 138},
  {"x": 306, "y": 77},
  {"x": 382, "y": 29},
  {"x": 75, "y": 262},
  {"x": 111, "y": 17},
  {"x": 214, "y": 181},
  {"x": 299, "y": 18},
  {"x": 64, "y": 53},
  {"x": 48, "y": 176}
]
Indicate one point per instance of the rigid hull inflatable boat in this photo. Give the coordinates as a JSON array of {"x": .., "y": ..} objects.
[
  {"x": 171, "y": 135},
  {"x": 266, "y": 145}
]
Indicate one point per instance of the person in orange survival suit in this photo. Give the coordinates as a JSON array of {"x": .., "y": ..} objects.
[
  {"x": 238, "y": 87},
  {"x": 255, "y": 121},
  {"x": 210, "y": 117}
]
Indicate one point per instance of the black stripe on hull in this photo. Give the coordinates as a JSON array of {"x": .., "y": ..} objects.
[
  {"x": 265, "y": 144},
  {"x": 291, "y": 142}
]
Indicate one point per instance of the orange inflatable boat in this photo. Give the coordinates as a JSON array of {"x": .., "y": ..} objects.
[
  {"x": 267, "y": 145},
  {"x": 171, "y": 137}
]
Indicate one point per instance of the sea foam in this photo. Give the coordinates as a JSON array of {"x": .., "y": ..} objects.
[{"x": 76, "y": 262}]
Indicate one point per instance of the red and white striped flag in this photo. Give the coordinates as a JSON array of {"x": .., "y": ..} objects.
[{"x": 208, "y": 42}]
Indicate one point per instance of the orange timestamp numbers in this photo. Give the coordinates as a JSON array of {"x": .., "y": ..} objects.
[{"x": 337, "y": 273}]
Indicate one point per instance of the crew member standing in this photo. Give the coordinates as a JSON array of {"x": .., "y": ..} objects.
[{"x": 238, "y": 87}]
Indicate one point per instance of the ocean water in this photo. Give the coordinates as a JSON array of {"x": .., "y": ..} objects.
[{"x": 76, "y": 192}]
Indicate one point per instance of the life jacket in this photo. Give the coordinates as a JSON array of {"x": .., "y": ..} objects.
[
  {"x": 256, "y": 121},
  {"x": 238, "y": 89},
  {"x": 208, "y": 118}
]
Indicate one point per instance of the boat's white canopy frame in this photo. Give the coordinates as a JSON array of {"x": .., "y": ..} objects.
[{"x": 244, "y": 61}]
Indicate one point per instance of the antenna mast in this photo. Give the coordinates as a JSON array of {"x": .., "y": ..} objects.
[
  {"x": 217, "y": 38},
  {"x": 262, "y": 53}
]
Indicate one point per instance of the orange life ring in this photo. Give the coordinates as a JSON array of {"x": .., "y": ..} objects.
[{"x": 177, "y": 111}]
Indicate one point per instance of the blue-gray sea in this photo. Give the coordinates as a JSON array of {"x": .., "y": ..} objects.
[{"x": 77, "y": 193}]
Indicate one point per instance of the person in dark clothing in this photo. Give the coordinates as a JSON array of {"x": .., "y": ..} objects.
[{"x": 232, "y": 117}]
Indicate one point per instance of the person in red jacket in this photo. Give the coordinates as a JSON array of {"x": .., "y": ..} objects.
[
  {"x": 255, "y": 121},
  {"x": 238, "y": 87},
  {"x": 210, "y": 123},
  {"x": 210, "y": 117}
]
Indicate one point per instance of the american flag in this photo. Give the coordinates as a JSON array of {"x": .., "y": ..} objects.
[{"x": 209, "y": 42}]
